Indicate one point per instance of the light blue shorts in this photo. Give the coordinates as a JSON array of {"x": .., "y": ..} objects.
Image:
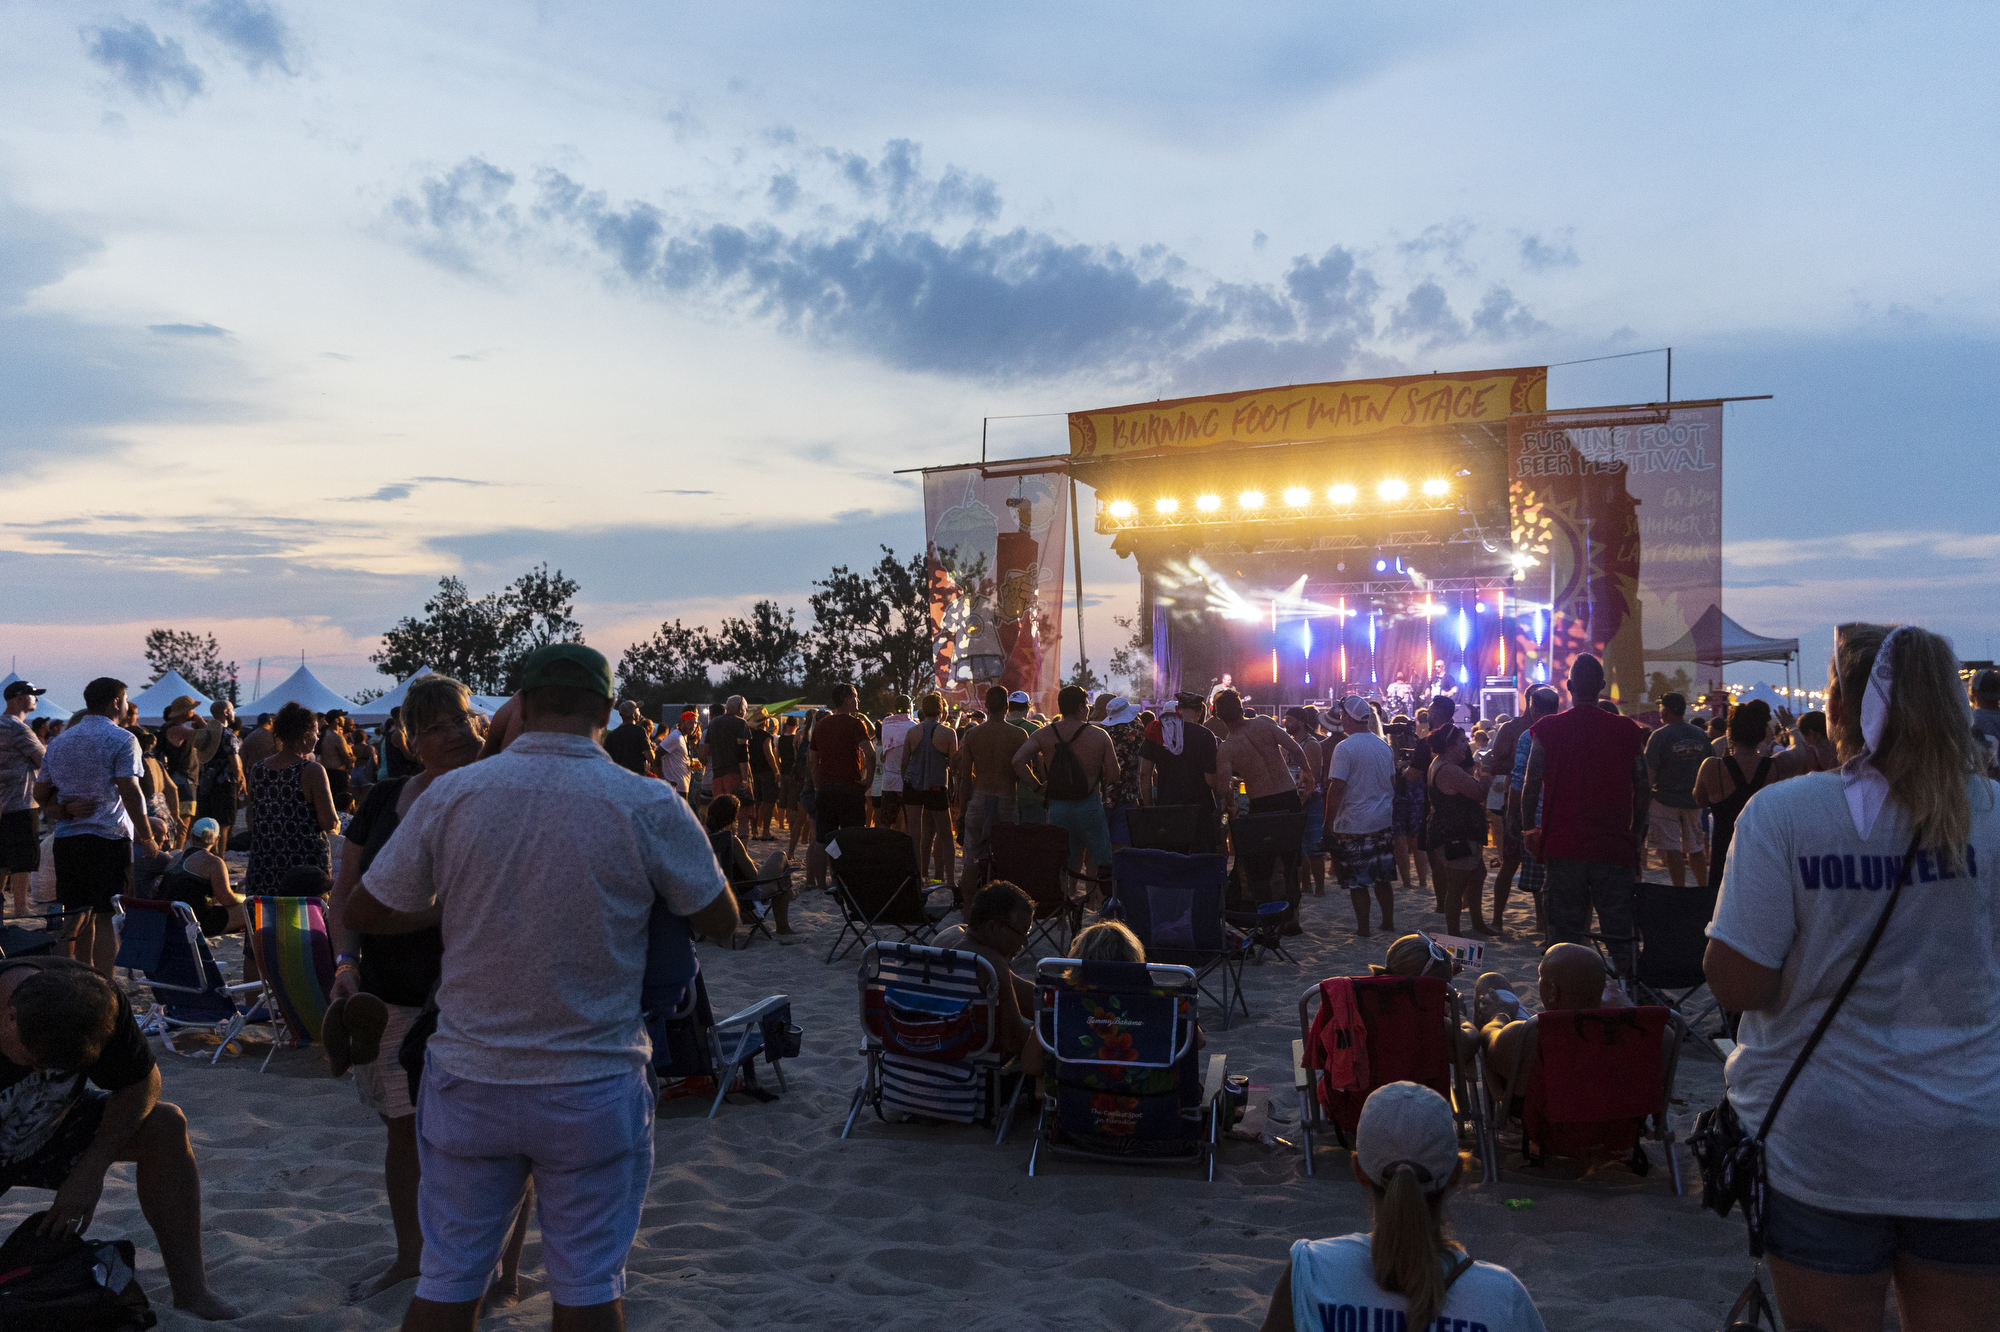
[
  {"x": 588, "y": 1147},
  {"x": 1084, "y": 821}
]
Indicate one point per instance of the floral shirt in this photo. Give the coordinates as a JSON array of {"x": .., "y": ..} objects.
[{"x": 1127, "y": 739}]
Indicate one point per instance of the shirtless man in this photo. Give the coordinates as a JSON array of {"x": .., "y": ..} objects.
[
  {"x": 1078, "y": 812},
  {"x": 504, "y": 727},
  {"x": 1572, "y": 977},
  {"x": 1258, "y": 750},
  {"x": 984, "y": 765}
]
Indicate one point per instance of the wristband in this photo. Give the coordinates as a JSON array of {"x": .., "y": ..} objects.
[{"x": 352, "y": 958}]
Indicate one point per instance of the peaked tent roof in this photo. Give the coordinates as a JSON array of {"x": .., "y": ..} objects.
[
  {"x": 1717, "y": 640},
  {"x": 302, "y": 687},
  {"x": 51, "y": 704},
  {"x": 154, "y": 698},
  {"x": 376, "y": 710}
]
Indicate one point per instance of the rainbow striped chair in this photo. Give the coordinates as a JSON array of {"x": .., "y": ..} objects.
[{"x": 288, "y": 935}]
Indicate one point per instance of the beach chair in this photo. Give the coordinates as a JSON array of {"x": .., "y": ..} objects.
[
  {"x": 1662, "y": 965},
  {"x": 1190, "y": 830},
  {"x": 753, "y": 905},
  {"x": 1035, "y": 858},
  {"x": 58, "y": 927},
  {"x": 1592, "y": 1084},
  {"x": 162, "y": 943},
  {"x": 1265, "y": 896},
  {"x": 1412, "y": 1025},
  {"x": 1174, "y": 904},
  {"x": 1119, "y": 1040},
  {"x": 288, "y": 936},
  {"x": 690, "y": 1043},
  {"x": 930, "y": 1023},
  {"x": 874, "y": 877}
]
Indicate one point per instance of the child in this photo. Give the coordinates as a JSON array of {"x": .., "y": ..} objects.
[{"x": 1406, "y": 1270}]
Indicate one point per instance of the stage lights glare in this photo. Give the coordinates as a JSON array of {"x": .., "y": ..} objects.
[
  {"x": 1342, "y": 494},
  {"x": 1435, "y": 488},
  {"x": 1121, "y": 508},
  {"x": 1298, "y": 496},
  {"x": 1167, "y": 505},
  {"x": 1251, "y": 499},
  {"x": 1208, "y": 503},
  {"x": 1393, "y": 489}
]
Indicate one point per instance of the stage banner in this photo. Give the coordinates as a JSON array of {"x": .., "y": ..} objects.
[
  {"x": 1308, "y": 413},
  {"x": 1621, "y": 513},
  {"x": 994, "y": 552}
]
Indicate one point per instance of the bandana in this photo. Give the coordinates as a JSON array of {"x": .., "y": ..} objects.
[
  {"x": 1867, "y": 789},
  {"x": 1171, "y": 738}
]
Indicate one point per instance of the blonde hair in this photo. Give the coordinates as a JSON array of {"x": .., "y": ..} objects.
[
  {"x": 428, "y": 699},
  {"x": 1927, "y": 750},
  {"x": 1108, "y": 942},
  {"x": 1409, "y": 1243}
]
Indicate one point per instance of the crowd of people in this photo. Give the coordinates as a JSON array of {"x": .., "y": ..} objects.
[{"x": 530, "y": 1089}]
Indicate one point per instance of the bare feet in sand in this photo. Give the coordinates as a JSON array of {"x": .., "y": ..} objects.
[
  {"x": 205, "y": 1306},
  {"x": 505, "y": 1293},
  {"x": 397, "y": 1274}
]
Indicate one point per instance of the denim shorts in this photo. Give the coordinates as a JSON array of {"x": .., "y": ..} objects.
[{"x": 1852, "y": 1244}]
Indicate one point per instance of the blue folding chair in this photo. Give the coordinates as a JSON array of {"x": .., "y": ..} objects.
[
  {"x": 163, "y": 943},
  {"x": 1120, "y": 1039},
  {"x": 1174, "y": 904}
]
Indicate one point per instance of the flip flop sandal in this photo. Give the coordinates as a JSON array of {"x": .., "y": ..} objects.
[
  {"x": 333, "y": 1036},
  {"x": 367, "y": 1018}
]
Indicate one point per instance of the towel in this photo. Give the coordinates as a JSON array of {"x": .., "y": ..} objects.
[{"x": 1339, "y": 1043}]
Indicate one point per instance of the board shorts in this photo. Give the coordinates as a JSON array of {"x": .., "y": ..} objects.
[
  {"x": 1407, "y": 813},
  {"x": 1361, "y": 859},
  {"x": 1677, "y": 830}
]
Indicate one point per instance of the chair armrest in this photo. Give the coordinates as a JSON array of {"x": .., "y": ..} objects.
[
  {"x": 246, "y": 987},
  {"x": 1299, "y": 1075},
  {"x": 757, "y": 1012},
  {"x": 1212, "y": 1081}
]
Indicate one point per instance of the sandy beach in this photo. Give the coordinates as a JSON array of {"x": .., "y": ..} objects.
[{"x": 764, "y": 1217}]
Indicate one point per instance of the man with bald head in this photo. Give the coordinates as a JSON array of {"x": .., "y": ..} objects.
[{"x": 1571, "y": 977}]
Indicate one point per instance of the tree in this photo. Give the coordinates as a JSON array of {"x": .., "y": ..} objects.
[
  {"x": 196, "y": 657},
  {"x": 1133, "y": 659},
  {"x": 1659, "y": 684},
  {"x": 482, "y": 641},
  {"x": 1085, "y": 677},
  {"x": 763, "y": 652},
  {"x": 871, "y": 629},
  {"x": 670, "y": 667}
]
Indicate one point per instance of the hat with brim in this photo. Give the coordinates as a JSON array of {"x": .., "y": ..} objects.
[
  {"x": 1119, "y": 711},
  {"x": 207, "y": 740},
  {"x": 183, "y": 706}
]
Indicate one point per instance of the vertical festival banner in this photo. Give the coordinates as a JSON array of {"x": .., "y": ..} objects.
[
  {"x": 994, "y": 557},
  {"x": 1621, "y": 513}
]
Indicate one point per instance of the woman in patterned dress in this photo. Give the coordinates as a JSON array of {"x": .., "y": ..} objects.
[{"x": 291, "y": 805}]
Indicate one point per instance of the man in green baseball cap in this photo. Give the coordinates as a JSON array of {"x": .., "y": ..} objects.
[{"x": 568, "y": 666}]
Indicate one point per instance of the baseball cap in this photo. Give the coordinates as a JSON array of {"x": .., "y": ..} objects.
[
  {"x": 1019, "y": 696},
  {"x": 1184, "y": 699},
  {"x": 205, "y": 830},
  {"x": 20, "y": 687},
  {"x": 568, "y": 665},
  {"x": 1407, "y": 1124},
  {"x": 1986, "y": 684},
  {"x": 1356, "y": 707}
]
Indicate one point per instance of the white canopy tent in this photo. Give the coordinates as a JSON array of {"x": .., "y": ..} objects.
[
  {"x": 50, "y": 704},
  {"x": 301, "y": 687},
  {"x": 154, "y": 699},
  {"x": 1718, "y": 641},
  {"x": 376, "y": 710}
]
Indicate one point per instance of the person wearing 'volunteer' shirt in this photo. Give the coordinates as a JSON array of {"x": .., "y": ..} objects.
[{"x": 1877, "y": 1162}]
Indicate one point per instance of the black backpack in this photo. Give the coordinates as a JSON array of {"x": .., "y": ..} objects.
[
  {"x": 63, "y": 1283},
  {"x": 1066, "y": 777}
]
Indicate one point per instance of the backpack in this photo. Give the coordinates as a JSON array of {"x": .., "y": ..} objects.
[
  {"x": 1066, "y": 777},
  {"x": 69, "y": 1284}
]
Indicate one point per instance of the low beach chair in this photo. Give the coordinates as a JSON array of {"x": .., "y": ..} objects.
[
  {"x": 288, "y": 935},
  {"x": 1412, "y": 1024},
  {"x": 1592, "y": 1084},
  {"x": 1120, "y": 1040},
  {"x": 162, "y": 944},
  {"x": 874, "y": 877},
  {"x": 58, "y": 927},
  {"x": 1190, "y": 830},
  {"x": 753, "y": 904},
  {"x": 1035, "y": 858},
  {"x": 1662, "y": 965},
  {"x": 1266, "y": 904},
  {"x": 1174, "y": 903},
  {"x": 930, "y": 1024},
  {"x": 690, "y": 1043}
]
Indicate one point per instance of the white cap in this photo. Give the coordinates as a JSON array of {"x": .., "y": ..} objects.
[
  {"x": 205, "y": 830},
  {"x": 1356, "y": 707},
  {"x": 1407, "y": 1123}
]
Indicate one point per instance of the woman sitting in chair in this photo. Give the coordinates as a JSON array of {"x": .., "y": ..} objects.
[
  {"x": 197, "y": 876},
  {"x": 737, "y": 866}
]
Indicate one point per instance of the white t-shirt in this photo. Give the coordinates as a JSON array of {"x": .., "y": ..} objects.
[
  {"x": 1894, "y": 1111},
  {"x": 1333, "y": 1285},
  {"x": 889, "y": 772},
  {"x": 1366, "y": 763}
]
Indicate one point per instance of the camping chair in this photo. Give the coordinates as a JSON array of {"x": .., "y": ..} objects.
[
  {"x": 58, "y": 927},
  {"x": 163, "y": 943},
  {"x": 288, "y": 934},
  {"x": 1592, "y": 1083},
  {"x": 1267, "y": 904},
  {"x": 1174, "y": 904},
  {"x": 930, "y": 1022},
  {"x": 1120, "y": 1039},
  {"x": 1190, "y": 830},
  {"x": 1663, "y": 964},
  {"x": 690, "y": 1043},
  {"x": 1412, "y": 1024},
  {"x": 753, "y": 904},
  {"x": 1035, "y": 858},
  {"x": 874, "y": 876}
]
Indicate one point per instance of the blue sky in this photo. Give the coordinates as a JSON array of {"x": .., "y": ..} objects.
[{"x": 301, "y": 308}]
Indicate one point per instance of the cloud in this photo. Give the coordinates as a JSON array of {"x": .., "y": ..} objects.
[
  {"x": 1538, "y": 255},
  {"x": 253, "y": 33},
  {"x": 154, "y": 68},
  {"x": 683, "y": 492},
  {"x": 188, "y": 330},
  {"x": 454, "y": 480},
  {"x": 385, "y": 494},
  {"x": 1426, "y": 314},
  {"x": 453, "y": 213},
  {"x": 1444, "y": 242},
  {"x": 1500, "y": 317}
]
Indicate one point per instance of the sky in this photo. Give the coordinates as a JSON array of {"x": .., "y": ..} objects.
[{"x": 304, "y": 307}]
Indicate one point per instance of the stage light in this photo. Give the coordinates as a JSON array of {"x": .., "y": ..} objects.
[
  {"x": 1167, "y": 505},
  {"x": 1208, "y": 503},
  {"x": 1381, "y": 566},
  {"x": 1298, "y": 496},
  {"x": 1121, "y": 508},
  {"x": 1342, "y": 494},
  {"x": 1479, "y": 606},
  {"x": 1393, "y": 490},
  {"x": 1251, "y": 499},
  {"x": 1436, "y": 488}
]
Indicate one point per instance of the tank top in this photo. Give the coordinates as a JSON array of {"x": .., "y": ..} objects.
[
  {"x": 180, "y": 884},
  {"x": 925, "y": 769},
  {"x": 285, "y": 832},
  {"x": 178, "y": 759},
  {"x": 1452, "y": 817},
  {"x": 1725, "y": 812}
]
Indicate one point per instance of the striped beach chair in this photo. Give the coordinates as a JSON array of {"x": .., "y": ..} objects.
[
  {"x": 288, "y": 935},
  {"x": 931, "y": 1022}
]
